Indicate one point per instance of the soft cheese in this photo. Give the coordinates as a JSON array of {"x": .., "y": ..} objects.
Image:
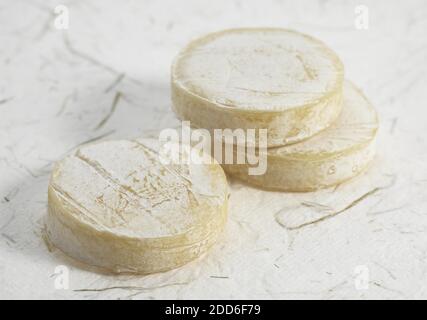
[
  {"x": 275, "y": 79},
  {"x": 332, "y": 156},
  {"x": 118, "y": 206}
]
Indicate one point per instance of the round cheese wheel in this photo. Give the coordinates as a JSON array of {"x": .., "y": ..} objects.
[
  {"x": 332, "y": 156},
  {"x": 119, "y": 206},
  {"x": 275, "y": 79}
]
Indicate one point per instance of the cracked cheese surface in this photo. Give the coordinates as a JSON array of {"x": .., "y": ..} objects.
[
  {"x": 277, "y": 79},
  {"x": 115, "y": 205},
  {"x": 334, "y": 155}
]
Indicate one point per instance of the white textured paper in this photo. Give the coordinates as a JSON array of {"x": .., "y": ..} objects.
[{"x": 107, "y": 76}]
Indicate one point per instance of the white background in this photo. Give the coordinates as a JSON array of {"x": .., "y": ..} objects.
[{"x": 56, "y": 86}]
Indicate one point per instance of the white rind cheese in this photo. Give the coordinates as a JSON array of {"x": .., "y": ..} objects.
[
  {"x": 275, "y": 79},
  {"x": 116, "y": 206},
  {"x": 332, "y": 156}
]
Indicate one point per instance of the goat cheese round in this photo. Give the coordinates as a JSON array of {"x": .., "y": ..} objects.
[
  {"x": 329, "y": 158},
  {"x": 275, "y": 79},
  {"x": 119, "y": 206}
]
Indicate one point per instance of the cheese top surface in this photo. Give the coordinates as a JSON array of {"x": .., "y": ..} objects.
[
  {"x": 356, "y": 126},
  {"x": 122, "y": 187},
  {"x": 258, "y": 69}
]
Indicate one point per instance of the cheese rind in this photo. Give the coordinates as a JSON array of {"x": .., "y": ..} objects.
[
  {"x": 116, "y": 206},
  {"x": 274, "y": 79},
  {"x": 331, "y": 157}
]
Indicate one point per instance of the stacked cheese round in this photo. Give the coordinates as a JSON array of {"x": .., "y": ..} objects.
[
  {"x": 275, "y": 79},
  {"x": 336, "y": 154},
  {"x": 119, "y": 206}
]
